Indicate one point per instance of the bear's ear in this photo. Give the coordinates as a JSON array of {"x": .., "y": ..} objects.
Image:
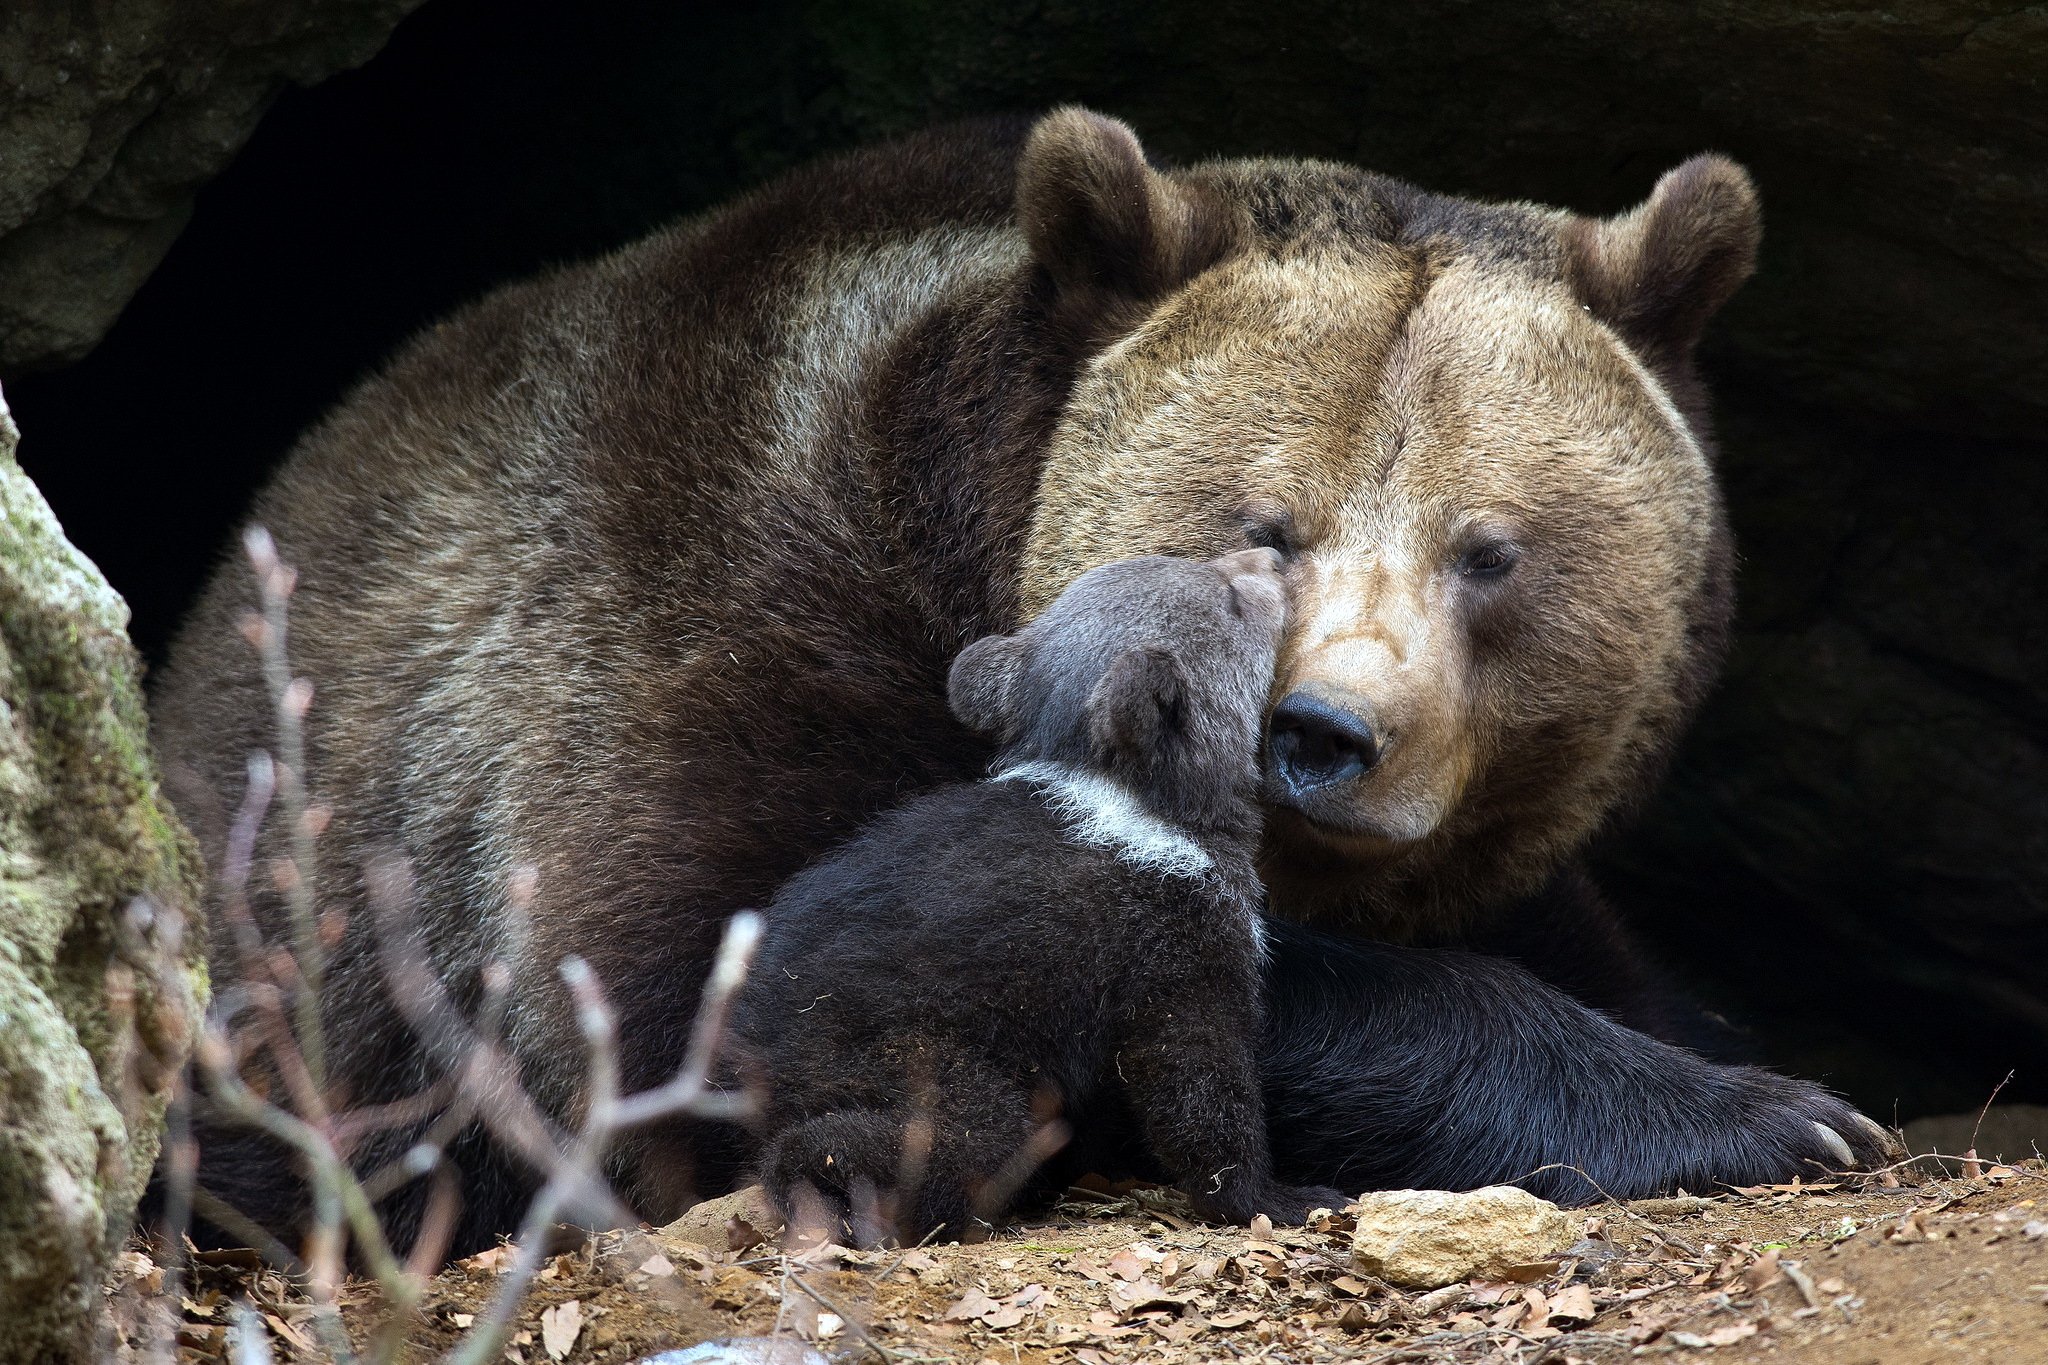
[
  {"x": 1135, "y": 706},
  {"x": 978, "y": 687},
  {"x": 1659, "y": 272},
  {"x": 1107, "y": 228}
]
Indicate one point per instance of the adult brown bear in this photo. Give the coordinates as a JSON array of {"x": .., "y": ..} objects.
[{"x": 647, "y": 574}]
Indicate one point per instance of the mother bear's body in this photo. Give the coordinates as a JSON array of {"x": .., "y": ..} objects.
[{"x": 647, "y": 573}]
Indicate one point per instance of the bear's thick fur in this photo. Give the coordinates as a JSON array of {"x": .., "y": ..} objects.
[
  {"x": 647, "y": 573},
  {"x": 1075, "y": 940}
]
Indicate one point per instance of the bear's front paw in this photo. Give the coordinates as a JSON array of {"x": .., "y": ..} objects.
[
  {"x": 1851, "y": 1140},
  {"x": 1786, "y": 1128}
]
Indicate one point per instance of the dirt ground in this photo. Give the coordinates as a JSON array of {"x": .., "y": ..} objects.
[{"x": 1871, "y": 1273}]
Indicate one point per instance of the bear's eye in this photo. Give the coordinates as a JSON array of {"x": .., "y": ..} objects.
[
  {"x": 1488, "y": 560},
  {"x": 1270, "y": 530}
]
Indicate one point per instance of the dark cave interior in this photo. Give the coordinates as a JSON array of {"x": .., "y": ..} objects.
[{"x": 1848, "y": 859}]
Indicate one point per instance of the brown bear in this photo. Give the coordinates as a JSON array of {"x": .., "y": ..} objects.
[
  {"x": 646, "y": 574},
  {"x": 1076, "y": 939}
]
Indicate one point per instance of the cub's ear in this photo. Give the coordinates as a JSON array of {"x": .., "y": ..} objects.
[
  {"x": 1659, "y": 272},
  {"x": 1108, "y": 228},
  {"x": 1135, "y": 706},
  {"x": 978, "y": 687}
]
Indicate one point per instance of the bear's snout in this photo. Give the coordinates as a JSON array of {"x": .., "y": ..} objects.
[{"x": 1318, "y": 740}]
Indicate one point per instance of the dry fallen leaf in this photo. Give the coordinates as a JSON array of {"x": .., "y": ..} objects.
[
  {"x": 1126, "y": 1266},
  {"x": 1573, "y": 1303},
  {"x": 973, "y": 1304},
  {"x": 559, "y": 1327},
  {"x": 1145, "y": 1296},
  {"x": 299, "y": 1340},
  {"x": 1720, "y": 1336},
  {"x": 493, "y": 1260},
  {"x": 1530, "y": 1272},
  {"x": 1911, "y": 1228}
]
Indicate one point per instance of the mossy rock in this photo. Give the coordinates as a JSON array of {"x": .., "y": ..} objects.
[{"x": 101, "y": 969}]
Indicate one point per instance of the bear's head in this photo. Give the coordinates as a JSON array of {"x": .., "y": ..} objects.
[
  {"x": 1151, "y": 671},
  {"x": 1473, "y": 435}
]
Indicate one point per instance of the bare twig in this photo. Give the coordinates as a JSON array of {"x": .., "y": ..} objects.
[
  {"x": 272, "y": 1017},
  {"x": 576, "y": 1173},
  {"x": 1619, "y": 1205},
  {"x": 1990, "y": 1100},
  {"x": 290, "y": 699},
  {"x": 852, "y": 1324}
]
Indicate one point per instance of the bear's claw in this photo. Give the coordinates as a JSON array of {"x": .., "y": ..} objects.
[{"x": 1837, "y": 1146}]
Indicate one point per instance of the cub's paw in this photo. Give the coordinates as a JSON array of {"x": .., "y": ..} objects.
[
  {"x": 829, "y": 1178},
  {"x": 1293, "y": 1204},
  {"x": 1288, "y": 1205}
]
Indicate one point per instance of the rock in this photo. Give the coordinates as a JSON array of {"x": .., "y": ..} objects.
[
  {"x": 741, "y": 1351},
  {"x": 100, "y": 972},
  {"x": 706, "y": 1223},
  {"x": 111, "y": 117},
  {"x": 1426, "y": 1239}
]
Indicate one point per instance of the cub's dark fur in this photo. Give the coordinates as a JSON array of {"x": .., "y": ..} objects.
[{"x": 1080, "y": 935}]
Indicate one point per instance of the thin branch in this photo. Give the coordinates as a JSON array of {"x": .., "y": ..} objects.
[
  {"x": 575, "y": 1173},
  {"x": 1983, "y": 1113},
  {"x": 290, "y": 699}
]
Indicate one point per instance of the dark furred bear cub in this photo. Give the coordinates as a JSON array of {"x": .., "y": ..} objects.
[{"x": 1080, "y": 934}]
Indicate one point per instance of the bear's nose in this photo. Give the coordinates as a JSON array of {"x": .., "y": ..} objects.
[{"x": 1315, "y": 742}]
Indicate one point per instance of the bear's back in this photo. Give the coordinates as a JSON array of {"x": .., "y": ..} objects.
[{"x": 582, "y": 529}]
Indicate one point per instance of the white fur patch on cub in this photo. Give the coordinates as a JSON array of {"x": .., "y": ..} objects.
[{"x": 1100, "y": 812}]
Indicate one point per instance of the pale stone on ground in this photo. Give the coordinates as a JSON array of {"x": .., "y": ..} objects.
[
  {"x": 1425, "y": 1239},
  {"x": 704, "y": 1224}
]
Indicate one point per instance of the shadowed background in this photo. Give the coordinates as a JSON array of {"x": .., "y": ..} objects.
[{"x": 1852, "y": 856}]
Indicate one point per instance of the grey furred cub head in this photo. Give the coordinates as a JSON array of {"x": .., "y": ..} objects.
[{"x": 1152, "y": 671}]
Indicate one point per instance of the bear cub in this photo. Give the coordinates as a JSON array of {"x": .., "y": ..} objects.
[{"x": 1075, "y": 940}]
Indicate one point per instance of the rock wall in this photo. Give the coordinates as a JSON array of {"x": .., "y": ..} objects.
[
  {"x": 100, "y": 972},
  {"x": 111, "y": 117}
]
